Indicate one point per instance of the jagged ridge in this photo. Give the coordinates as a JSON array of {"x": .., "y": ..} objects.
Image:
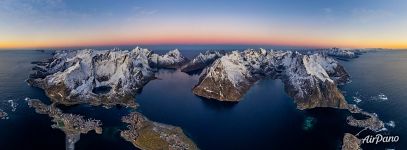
[{"x": 201, "y": 61}]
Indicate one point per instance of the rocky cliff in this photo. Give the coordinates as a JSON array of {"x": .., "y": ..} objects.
[
  {"x": 306, "y": 79},
  {"x": 351, "y": 142}
]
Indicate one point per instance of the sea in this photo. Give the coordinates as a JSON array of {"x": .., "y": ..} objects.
[{"x": 265, "y": 118}]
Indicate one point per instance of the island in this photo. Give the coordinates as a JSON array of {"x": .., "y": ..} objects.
[
  {"x": 149, "y": 135},
  {"x": 72, "y": 125},
  {"x": 371, "y": 122}
]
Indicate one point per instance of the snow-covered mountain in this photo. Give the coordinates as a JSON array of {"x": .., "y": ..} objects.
[
  {"x": 201, "y": 61},
  {"x": 172, "y": 60},
  {"x": 99, "y": 77},
  {"x": 310, "y": 79},
  {"x": 344, "y": 53},
  {"x": 110, "y": 77},
  {"x": 307, "y": 81},
  {"x": 227, "y": 79}
]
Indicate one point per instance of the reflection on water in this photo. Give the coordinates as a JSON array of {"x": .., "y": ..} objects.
[{"x": 217, "y": 105}]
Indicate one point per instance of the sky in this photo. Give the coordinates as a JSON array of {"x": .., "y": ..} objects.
[{"x": 301, "y": 23}]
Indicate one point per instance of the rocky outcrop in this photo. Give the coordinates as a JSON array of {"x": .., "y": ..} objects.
[
  {"x": 146, "y": 134},
  {"x": 171, "y": 60},
  {"x": 371, "y": 122},
  {"x": 310, "y": 79},
  {"x": 99, "y": 77},
  {"x": 201, "y": 61},
  {"x": 351, "y": 142},
  {"x": 3, "y": 115}
]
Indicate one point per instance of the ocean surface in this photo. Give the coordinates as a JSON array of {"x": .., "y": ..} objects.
[{"x": 266, "y": 118}]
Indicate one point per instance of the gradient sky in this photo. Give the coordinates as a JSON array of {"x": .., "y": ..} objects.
[{"x": 307, "y": 23}]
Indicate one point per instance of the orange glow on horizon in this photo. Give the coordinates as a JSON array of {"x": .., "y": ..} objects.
[{"x": 201, "y": 40}]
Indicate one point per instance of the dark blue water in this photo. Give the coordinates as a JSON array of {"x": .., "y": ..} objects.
[
  {"x": 381, "y": 73},
  {"x": 24, "y": 129},
  {"x": 266, "y": 118}
]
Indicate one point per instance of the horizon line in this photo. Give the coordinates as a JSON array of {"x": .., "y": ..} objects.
[{"x": 96, "y": 46}]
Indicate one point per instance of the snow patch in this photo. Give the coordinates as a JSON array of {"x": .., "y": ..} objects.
[
  {"x": 13, "y": 105},
  {"x": 313, "y": 66},
  {"x": 391, "y": 124},
  {"x": 357, "y": 99},
  {"x": 380, "y": 97}
]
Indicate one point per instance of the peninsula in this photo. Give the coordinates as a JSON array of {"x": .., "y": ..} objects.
[{"x": 72, "y": 125}]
